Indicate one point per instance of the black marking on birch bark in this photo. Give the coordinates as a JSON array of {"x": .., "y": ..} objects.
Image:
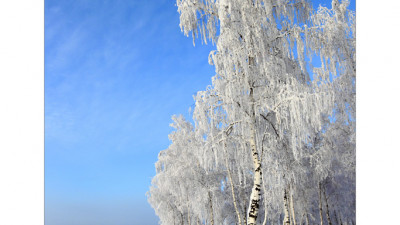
[
  {"x": 254, "y": 205},
  {"x": 253, "y": 216},
  {"x": 255, "y": 202}
]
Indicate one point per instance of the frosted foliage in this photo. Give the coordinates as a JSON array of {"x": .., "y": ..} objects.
[{"x": 273, "y": 139}]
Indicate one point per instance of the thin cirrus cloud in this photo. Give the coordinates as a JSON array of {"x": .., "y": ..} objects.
[{"x": 115, "y": 72}]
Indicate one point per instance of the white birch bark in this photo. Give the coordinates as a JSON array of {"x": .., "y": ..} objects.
[
  {"x": 232, "y": 188},
  {"x": 286, "y": 220},
  {"x": 265, "y": 216},
  {"x": 254, "y": 204}
]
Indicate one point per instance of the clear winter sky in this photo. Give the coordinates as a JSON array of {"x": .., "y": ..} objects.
[{"x": 115, "y": 73}]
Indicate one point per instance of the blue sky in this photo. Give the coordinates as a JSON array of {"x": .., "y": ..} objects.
[{"x": 115, "y": 73}]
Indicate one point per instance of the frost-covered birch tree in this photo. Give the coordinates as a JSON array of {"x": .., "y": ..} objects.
[{"x": 274, "y": 135}]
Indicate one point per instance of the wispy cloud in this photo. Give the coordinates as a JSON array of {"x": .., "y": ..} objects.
[{"x": 115, "y": 72}]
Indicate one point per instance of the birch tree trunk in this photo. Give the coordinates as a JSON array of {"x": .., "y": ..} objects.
[
  {"x": 255, "y": 192},
  {"x": 292, "y": 209},
  {"x": 244, "y": 213},
  {"x": 340, "y": 219},
  {"x": 211, "y": 208},
  {"x": 307, "y": 222},
  {"x": 181, "y": 219},
  {"x": 320, "y": 204},
  {"x": 336, "y": 217},
  {"x": 265, "y": 207},
  {"x": 286, "y": 220},
  {"x": 327, "y": 208},
  {"x": 232, "y": 189},
  {"x": 243, "y": 198},
  {"x": 254, "y": 203},
  {"x": 265, "y": 217}
]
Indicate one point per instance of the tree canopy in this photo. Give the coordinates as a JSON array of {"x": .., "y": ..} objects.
[{"x": 273, "y": 139}]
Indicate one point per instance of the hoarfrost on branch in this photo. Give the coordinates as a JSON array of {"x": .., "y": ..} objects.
[{"x": 274, "y": 136}]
